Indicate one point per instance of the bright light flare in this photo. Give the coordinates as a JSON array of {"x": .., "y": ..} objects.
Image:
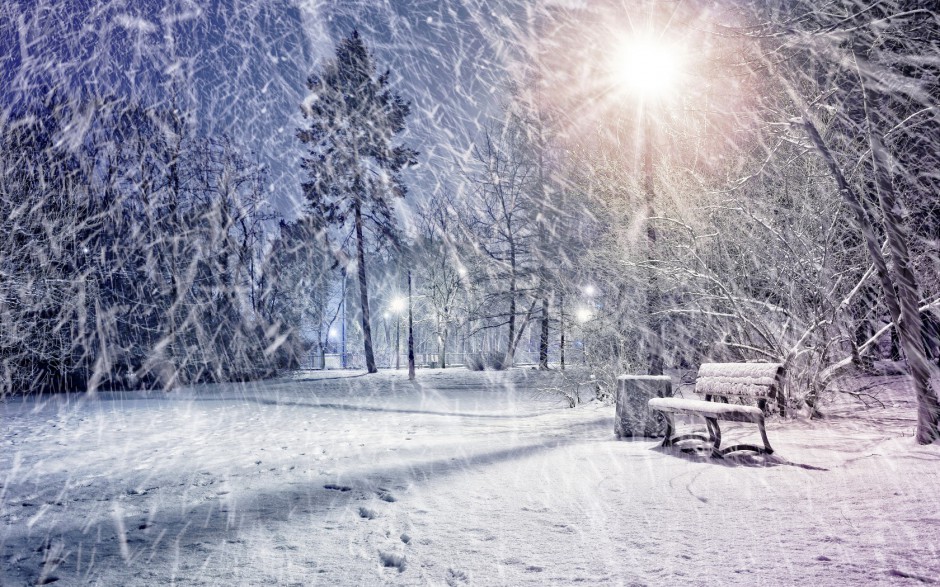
[
  {"x": 583, "y": 315},
  {"x": 398, "y": 305},
  {"x": 648, "y": 66}
]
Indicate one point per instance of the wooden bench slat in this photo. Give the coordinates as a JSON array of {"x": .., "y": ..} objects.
[
  {"x": 715, "y": 409},
  {"x": 718, "y": 386},
  {"x": 740, "y": 370},
  {"x": 758, "y": 381}
]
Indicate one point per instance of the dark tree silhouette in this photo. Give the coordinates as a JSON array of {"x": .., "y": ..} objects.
[{"x": 352, "y": 161}]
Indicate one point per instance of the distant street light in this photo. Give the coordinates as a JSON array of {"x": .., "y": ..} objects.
[{"x": 583, "y": 315}]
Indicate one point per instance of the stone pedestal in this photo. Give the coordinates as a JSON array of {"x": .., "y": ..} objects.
[{"x": 634, "y": 417}]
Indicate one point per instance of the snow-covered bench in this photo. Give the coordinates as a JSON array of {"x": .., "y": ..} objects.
[{"x": 752, "y": 381}]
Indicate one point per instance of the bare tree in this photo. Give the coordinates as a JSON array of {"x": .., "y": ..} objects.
[
  {"x": 866, "y": 86},
  {"x": 500, "y": 224},
  {"x": 436, "y": 252}
]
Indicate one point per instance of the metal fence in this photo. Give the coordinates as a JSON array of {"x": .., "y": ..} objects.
[{"x": 316, "y": 361}]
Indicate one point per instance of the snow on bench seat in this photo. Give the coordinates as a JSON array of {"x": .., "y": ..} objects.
[
  {"x": 755, "y": 381},
  {"x": 758, "y": 380},
  {"x": 697, "y": 406}
]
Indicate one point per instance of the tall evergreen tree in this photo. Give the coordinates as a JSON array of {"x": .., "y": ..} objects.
[{"x": 353, "y": 164}]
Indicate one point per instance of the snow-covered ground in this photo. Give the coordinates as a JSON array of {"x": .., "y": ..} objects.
[{"x": 467, "y": 478}]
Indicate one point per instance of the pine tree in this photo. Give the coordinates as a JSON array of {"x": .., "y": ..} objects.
[{"x": 352, "y": 161}]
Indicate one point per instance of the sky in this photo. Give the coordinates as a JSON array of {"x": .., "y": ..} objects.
[{"x": 241, "y": 66}]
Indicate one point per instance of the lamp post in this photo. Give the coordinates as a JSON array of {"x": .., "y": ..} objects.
[
  {"x": 388, "y": 339},
  {"x": 649, "y": 69},
  {"x": 343, "y": 348},
  {"x": 583, "y": 315}
]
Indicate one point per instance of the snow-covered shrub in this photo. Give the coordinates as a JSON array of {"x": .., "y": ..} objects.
[
  {"x": 491, "y": 361},
  {"x": 129, "y": 251},
  {"x": 475, "y": 362}
]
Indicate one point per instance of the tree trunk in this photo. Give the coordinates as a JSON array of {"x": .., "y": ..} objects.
[
  {"x": 364, "y": 292},
  {"x": 901, "y": 301},
  {"x": 398, "y": 342},
  {"x": 931, "y": 330},
  {"x": 543, "y": 339},
  {"x": 561, "y": 328},
  {"x": 514, "y": 343},
  {"x": 863, "y": 330},
  {"x": 894, "y": 353},
  {"x": 910, "y": 326},
  {"x": 862, "y": 219},
  {"x": 442, "y": 347},
  {"x": 510, "y": 347},
  {"x": 542, "y": 218},
  {"x": 654, "y": 336},
  {"x": 411, "y": 335}
]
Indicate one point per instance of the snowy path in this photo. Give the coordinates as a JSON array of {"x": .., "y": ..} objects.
[{"x": 465, "y": 480}]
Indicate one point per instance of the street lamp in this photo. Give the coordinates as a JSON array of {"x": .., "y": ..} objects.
[
  {"x": 583, "y": 315},
  {"x": 649, "y": 67},
  {"x": 398, "y": 306}
]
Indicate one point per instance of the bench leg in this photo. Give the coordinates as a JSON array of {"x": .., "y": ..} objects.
[
  {"x": 669, "y": 429},
  {"x": 672, "y": 438},
  {"x": 714, "y": 432},
  {"x": 763, "y": 436},
  {"x": 711, "y": 430},
  {"x": 714, "y": 437}
]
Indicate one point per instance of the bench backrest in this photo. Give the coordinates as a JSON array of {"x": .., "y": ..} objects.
[{"x": 753, "y": 380}]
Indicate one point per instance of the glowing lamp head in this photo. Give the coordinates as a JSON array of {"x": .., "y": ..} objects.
[
  {"x": 648, "y": 66},
  {"x": 583, "y": 315},
  {"x": 398, "y": 305}
]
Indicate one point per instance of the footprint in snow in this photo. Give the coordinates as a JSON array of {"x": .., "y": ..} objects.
[
  {"x": 534, "y": 569},
  {"x": 456, "y": 577},
  {"x": 336, "y": 487},
  {"x": 367, "y": 513},
  {"x": 386, "y": 496},
  {"x": 392, "y": 560}
]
